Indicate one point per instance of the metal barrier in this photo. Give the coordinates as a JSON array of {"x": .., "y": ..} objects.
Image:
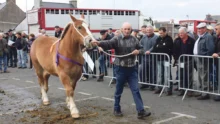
[
  {"x": 102, "y": 62},
  {"x": 198, "y": 74},
  {"x": 154, "y": 69}
]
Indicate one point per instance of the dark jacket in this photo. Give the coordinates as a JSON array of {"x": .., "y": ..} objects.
[
  {"x": 58, "y": 34},
  {"x": 178, "y": 48},
  {"x": 164, "y": 45},
  {"x": 20, "y": 44},
  {"x": 122, "y": 45},
  {"x": 217, "y": 45},
  {"x": 3, "y": 47},
  {"x": 206, "y": 45}
]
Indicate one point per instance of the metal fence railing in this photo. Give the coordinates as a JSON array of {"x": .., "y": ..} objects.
[{"x": 198, "y": 74}]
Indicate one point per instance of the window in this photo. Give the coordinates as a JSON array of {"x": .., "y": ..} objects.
[
  {"x": 62, "y": 11},
  {"x": 90, "y": 12},
  {"x": 104, "y": 13},
  {"x": 77, "y": 12},
  {"x": 110, "y": 12},
  {"x": 126, "y": 13},
  {"x": 47, "y": 11},
  {"x": 57, "y": 11},
  {"x": 52, "y": 11},
  {"x": 122, "y": 12},
  {"x": 67, "y": 12},
  {"x": 71, "y": 12},
  {"x": 94, "y": 12}
]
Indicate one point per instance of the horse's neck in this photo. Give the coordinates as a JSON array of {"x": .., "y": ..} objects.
[{"x": 69, "y": 48}]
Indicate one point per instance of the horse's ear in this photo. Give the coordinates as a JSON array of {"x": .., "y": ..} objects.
[
  {"x": 82, "y": 16},
  {"x": 73, "y": 18}
]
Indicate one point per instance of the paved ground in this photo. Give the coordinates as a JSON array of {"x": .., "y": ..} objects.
[{"x": 20, "y": 102}]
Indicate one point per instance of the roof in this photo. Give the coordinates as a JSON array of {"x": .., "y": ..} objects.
[
  {"x": 2, "y": 5},
  {"x": 56, "y": 5}
]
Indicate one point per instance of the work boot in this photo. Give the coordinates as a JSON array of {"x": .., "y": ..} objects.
[
  {"x": 118, "y": 113},
  {"x": 143, "y": 114}
]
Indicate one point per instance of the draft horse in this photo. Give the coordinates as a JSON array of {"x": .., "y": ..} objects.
[{"x": 63, "y": 58}]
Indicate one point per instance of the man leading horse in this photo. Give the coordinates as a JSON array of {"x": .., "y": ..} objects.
[{"x": 126, "y": 67}]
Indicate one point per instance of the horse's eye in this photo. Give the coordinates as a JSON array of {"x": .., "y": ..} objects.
[{"x": 79, "y": 27}]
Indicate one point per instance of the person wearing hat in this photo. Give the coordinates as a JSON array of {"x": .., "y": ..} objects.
[
  {"x": 204, "y": 46},
  {"x": 12, "y": 50},
  {"x": 111, "y": 34},
  {"x": 58, "y": 32}
]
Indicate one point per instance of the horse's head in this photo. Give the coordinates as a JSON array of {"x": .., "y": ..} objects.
[{"x": 81, "y": 31}]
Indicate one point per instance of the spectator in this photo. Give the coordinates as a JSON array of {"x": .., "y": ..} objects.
[
  {"x": 148, "y": 65},
  {"x": 31, "y": 40},
  {"x": 126, "y": 68},
  {"x": 164, "y": 44},
  {"x": 216, "y": 56},
  {"x": 143, "y": 31},
  {"x": 102, "y": 59},
  {"x": 188, "y": 32},
  {"x": 110, "y": 33},
  {"x": 20, "y": 45},
  {"x": 43, "y": 32},
  {"x": 184, "y": 44},
  {"x": 3, "y": 54},
  {"x": 135, "y": 34},
  {"x": 58, "y": 32},
  {"x": 210, "y": 29},
  {"x": 204, "y": 46},
  {"x": 12, "y": 50},
  {"x": 25, "y": 37}
]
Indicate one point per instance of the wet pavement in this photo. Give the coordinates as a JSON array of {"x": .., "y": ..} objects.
[{"x": 20, "y": 103}]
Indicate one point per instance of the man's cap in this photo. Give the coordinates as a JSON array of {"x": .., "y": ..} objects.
[
  {"x": 209, "y": 27},
  {"x": 110, "y": 28},
  {"x": 57, "y": 26},
  {"x": 10, "y": 30},
  {"x": 103, "y": 32},
  {"x": 201, "y": 25}
]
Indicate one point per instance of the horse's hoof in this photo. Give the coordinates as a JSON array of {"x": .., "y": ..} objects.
[
  {"x": 46, "y": 103},
  {"x": 75, "y": 116}
]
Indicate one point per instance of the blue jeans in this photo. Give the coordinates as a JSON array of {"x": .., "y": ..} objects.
[
  {"x": 129, "y": 74},
  {"x": 3, "y": 62},
  {"x": 21, "y": 59},
  {"x": 25, "y": 56},
  {"x": 102, "y": 64}
]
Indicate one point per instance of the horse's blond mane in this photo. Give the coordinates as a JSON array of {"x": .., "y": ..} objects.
[{"x": 65, "y": 30}]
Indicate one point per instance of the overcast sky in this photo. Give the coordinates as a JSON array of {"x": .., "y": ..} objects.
[{"x": 157, "y": 9}]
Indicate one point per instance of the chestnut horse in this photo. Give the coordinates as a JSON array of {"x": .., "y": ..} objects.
[{"x": 62, "y": 58}]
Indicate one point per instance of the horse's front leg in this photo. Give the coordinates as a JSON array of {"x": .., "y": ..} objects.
[{"x": 70, "y": 93}]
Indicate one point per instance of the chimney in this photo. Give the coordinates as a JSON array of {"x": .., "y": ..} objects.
[
  {"x": 74, "y": 3},
  {"x": 11, "y": 0},
  {"x": 37, "y": 3}
]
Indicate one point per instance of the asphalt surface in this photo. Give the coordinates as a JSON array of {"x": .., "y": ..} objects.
[{"x": 20, "y": 102}]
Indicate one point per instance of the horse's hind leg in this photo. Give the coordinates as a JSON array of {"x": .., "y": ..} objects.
[
  {"x": 70, "y": 93},
  {"x": 44, "y": 88},
  {"x": 43, "y": 82}
]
